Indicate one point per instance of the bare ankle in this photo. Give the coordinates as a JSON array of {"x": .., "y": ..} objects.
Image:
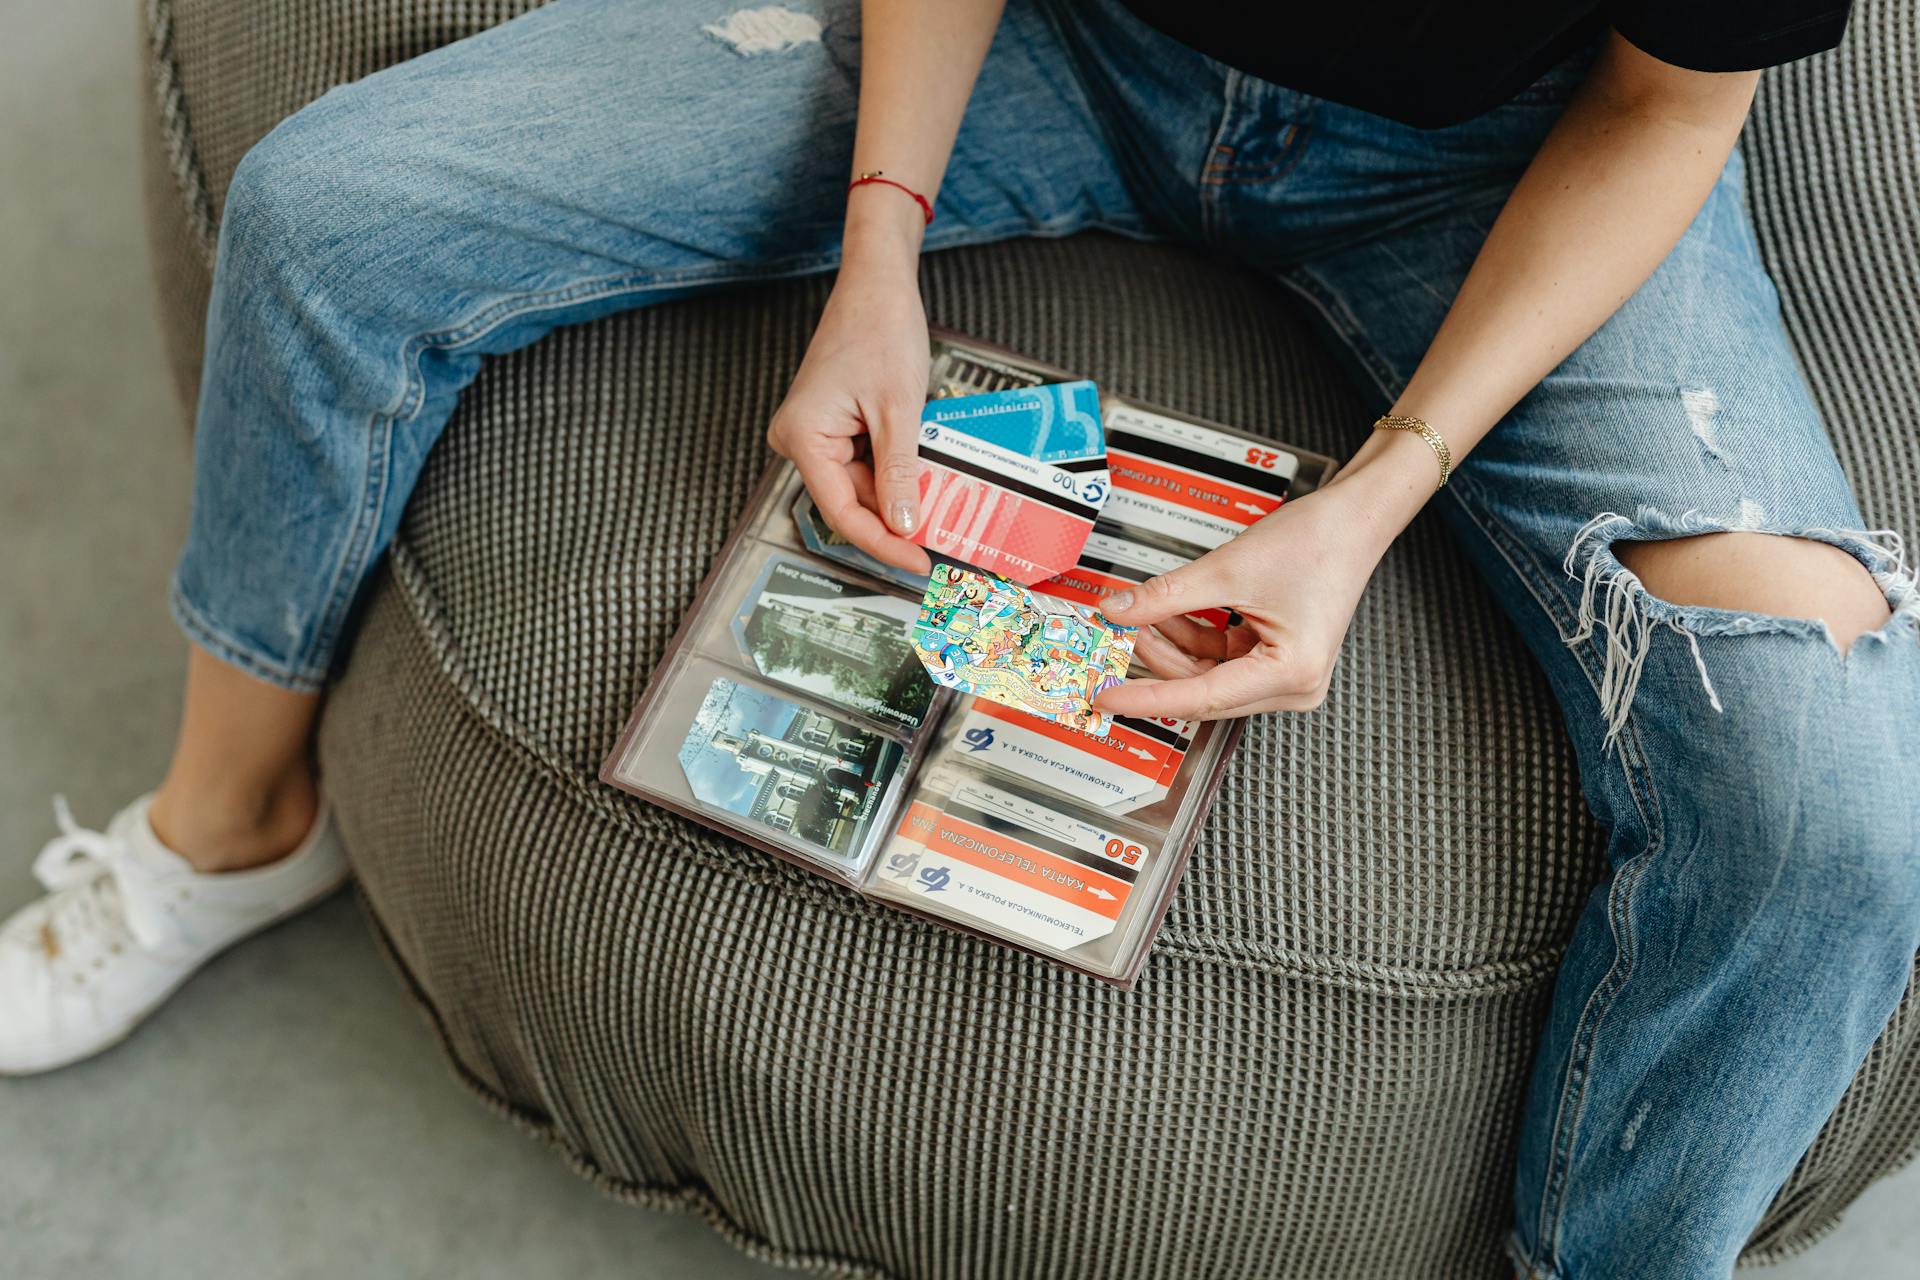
[{"x": 221, "y": 828}]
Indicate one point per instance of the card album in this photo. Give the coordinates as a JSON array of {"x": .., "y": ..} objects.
[{"x": 929, "y": 741}]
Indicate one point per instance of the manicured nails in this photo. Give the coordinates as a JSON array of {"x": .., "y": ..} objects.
[{"x": 904, "y": 517}]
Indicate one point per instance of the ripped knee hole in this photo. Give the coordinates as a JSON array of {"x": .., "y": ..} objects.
[
  {"x": 1643, "y": 573},
  {"x": 1747, "y": 572}
]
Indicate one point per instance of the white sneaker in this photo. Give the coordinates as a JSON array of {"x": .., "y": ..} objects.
[{"x": 125, "y": 922}]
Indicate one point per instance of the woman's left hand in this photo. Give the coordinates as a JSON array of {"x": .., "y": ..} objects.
[{"x": 1294, "y": 578}]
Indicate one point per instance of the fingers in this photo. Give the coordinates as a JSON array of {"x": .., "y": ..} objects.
[
  {"x": 1205, "y": 696},
  {"x": 1163, "y": 658},
  {"x": 1203, "y": 641},
  {"x": 916, "y": 558},
  {"x": 1254, "y": 683},
  {"x": 836, "y": 488},
  {"x": 1188, "y": 589},
  {"x": 862, "y": 476},
  {"x": 895, "y": 429}
]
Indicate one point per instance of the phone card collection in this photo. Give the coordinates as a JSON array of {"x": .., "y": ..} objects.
[{"x": 931, "y": 741}]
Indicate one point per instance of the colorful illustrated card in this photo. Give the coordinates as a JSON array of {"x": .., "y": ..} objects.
[
  {"x": 1010, "y": 864},
  {"x": 1039, "y": 654},
  {"x": 1189, "y": 482},
  {"x": 838, "y": 640},
  {"x": 1112, "y": 561},
  {"x": 1013, "y": 480},
  {"x": 809, "y": 776}
]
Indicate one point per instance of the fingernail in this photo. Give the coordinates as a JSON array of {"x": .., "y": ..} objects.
[
  {"x": 1118, "y": 602},
  {"x": 904, "y": 517}
]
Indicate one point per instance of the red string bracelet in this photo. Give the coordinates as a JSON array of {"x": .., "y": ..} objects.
[{"x": 926, "y": 206}]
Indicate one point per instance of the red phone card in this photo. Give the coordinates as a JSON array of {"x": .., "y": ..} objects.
[
  {"x": 1013, "y": 480},
  {"x": 1181, "y": 480}
]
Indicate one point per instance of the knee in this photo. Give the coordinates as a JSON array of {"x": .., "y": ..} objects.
[
  {"x": 302, "y": 208},
  {"x": 1867, "y": 867},
  {"x": 1762, "y": 573},
  {"x": 1816, "y": 833}
]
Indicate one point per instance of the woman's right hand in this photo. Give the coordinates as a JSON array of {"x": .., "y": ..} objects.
[
  {"x": 851, "y": 420},
  {"x": 864, "y": 375}
]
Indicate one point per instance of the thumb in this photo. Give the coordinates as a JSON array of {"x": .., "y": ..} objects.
[
  {"x": 1189, "y": 589},
  {"x": 896, "y": 466}
]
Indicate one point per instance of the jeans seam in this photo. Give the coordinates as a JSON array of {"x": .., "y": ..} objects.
[
  {"x": 1526, "y": 567},
  {"x": 1293, "y": 147},
  {"x": 1386, "y": 248},
  {"x": 203, "y": 632},
  {"x": 1306, "y": 283},
  {"x": 344, "y": 585},
  {"x": 1206, "y": 193},
  {"x": 1571, "y": 1106},
  {"x": 1517, "y": 1254},
  {"x": 1634, "y": 759},
  {"x": 1102, "y": 122}
]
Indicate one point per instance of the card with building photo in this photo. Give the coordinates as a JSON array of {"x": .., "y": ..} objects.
[
  {"x": 811, "y": 629},
  {"x": 812, "y": 777},
  {"x": 821, "y": 539}
]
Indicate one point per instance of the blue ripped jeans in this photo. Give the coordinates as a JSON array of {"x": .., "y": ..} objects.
[{"x": 1763, "y": 910}]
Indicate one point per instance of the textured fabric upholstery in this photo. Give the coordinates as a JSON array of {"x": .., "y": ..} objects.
[{"x": 1321, "y": 1070}]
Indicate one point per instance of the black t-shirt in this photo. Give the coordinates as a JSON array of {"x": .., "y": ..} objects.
[{"x": 1430, "y": 63}]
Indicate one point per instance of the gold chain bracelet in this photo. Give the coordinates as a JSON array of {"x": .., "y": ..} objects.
[{"x": 1400, "y": 422}]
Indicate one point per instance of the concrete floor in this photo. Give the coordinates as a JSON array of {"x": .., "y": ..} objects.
[{"x": 288, "y": 1115}]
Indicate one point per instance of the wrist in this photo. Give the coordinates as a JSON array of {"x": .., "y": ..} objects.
[
  {"x": 1386, "y": 482},
  {"x": 882, "y": 235}
]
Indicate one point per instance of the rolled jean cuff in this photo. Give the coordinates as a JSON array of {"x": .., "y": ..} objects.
[
  {"x": 1522, "y": 1260},
  {"x": 203, "y": 633}
]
